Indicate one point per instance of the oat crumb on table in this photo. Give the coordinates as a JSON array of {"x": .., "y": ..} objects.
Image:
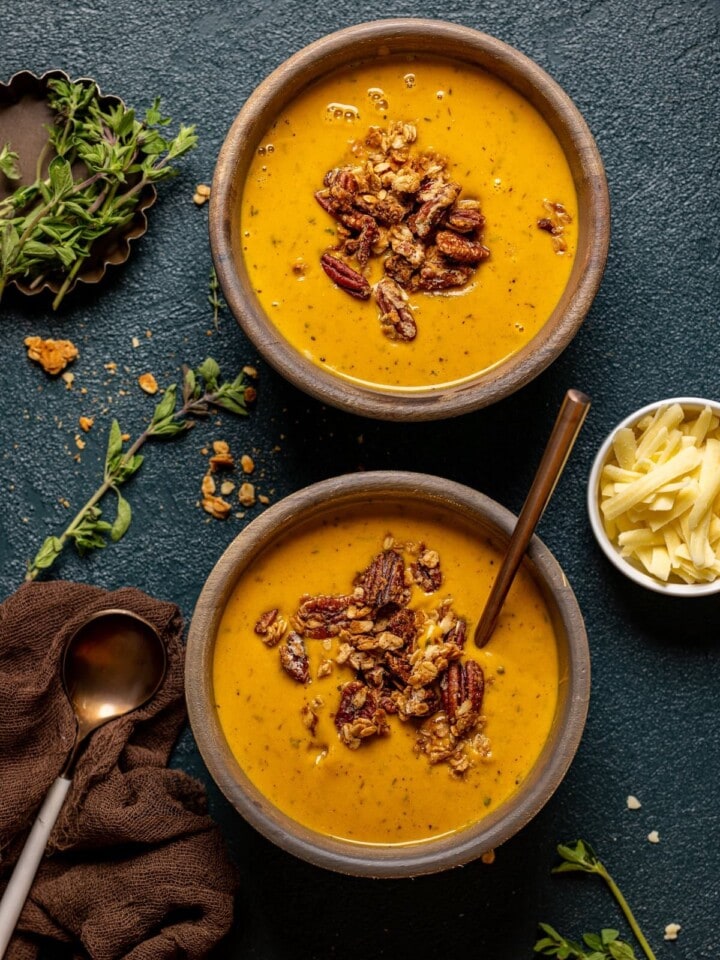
[
  {"x": 148, "y": 383},
  {"x": 654, "y": 836},
  {"x": 52, "y": 355},
  {"x": 246, "y": 494},
  {"x": 671, "y": 931},
  {"x": 633, "y": 803},
  {"x": 86, "y": 423}
]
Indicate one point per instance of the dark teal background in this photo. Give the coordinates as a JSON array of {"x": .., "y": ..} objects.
[{"x": 645, "y": 76}]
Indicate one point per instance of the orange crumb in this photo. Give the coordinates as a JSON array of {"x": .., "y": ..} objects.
[
  {"x": 148, "y": 383},
  {"x": 52, "y": 355}
]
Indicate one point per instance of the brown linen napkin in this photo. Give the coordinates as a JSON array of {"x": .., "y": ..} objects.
[{"x": 134, "y": 868}]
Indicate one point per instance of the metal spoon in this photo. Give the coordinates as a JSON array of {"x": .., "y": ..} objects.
[
  {"x": 571, "y": 417},
  {"x": 113, "y": 663}
]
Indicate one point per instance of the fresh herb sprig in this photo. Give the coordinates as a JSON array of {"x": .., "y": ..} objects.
[
  {"x": 581, "y": 858},
  {"x": 214, "y": 297},
  {"x": 48, "y": 228},
  {"x": 202, "y": 390},
  {"x": 601, "y": 946}
]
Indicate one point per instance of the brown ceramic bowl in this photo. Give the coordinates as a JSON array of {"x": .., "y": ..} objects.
[
  {"x": 377, "y": 40},
  {"x": 380, "y": 860}
]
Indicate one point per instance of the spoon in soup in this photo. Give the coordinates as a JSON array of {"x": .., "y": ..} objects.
[
  {"x": 113, "y": 664},
  {"x": 569, "y": 420}
]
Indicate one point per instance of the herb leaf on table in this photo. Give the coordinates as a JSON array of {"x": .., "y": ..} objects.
[{"x": 202, "y": 391}]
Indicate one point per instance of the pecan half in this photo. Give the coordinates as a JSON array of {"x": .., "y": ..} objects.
[
  {"x": 402, "y": 623},
  {"x": 359, "y": 715},
  {"x": 437, "y": 196},
  {"x": 437, "y": 275},
  {"x": 399, "y": 269},
  {"x": 383, "y": 582},
  {"x": 294, "y": 659},
  {"x": 266, "y": 621},
  {"x": 462, "y": 688},
  {"x": 345, "y": 277},
  {"x": 460, "y": 249},
  {"x": 457, "y": 633},
  {"x": 396, "y": 317},
  {"x": 320, "y": 617},
  {"x": 464, "y": 218}
]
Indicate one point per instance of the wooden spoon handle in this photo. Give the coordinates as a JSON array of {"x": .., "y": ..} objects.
[{"x": 571, "y": 417}]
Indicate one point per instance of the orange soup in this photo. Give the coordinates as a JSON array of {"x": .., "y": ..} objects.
[
  {"x": 500, "y": 152},
  {"x": 285, "y": 730}
]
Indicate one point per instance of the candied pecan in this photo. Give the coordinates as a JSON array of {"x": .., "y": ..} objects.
[
  {"x": 389, "y": 210},
  {"x": 345, "y": 277},
  {"x": 396, "y": 318},
  {"x": 545, "y": 224},
  {"x": 399, "y": 666},
  {"x": 294, "y": 659},
  {"x": 399, "y": 269},
  {"x": 320, "y": 617},
  {"x": 309, "y": 718},
  {"x": 462, "y": 688},
  {"x": 342, "y": 185},
  {"x": 368, "y": 235},
  {"x": 383, "y": 582},
  {"x": 405, "y": 245},
  {"x": 426, "y": 572},
  {"x": 403, "y": 624},
  {"x": 457, "y": 633},
  {"x": 438, "y": 275},
  {"x": 327, "y": 203},
  {"x": 271, "y": 627},
  {"x": 437, "y": 196},
  {"x": 464, "y": 218},
  {"x": 460, "y": 249},
  {"x": 359, "y": 715}
]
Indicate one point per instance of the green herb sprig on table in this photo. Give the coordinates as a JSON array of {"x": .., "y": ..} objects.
[
  {"x": 202, "y": 390},
  {"x": 581, "y": 858},
  {"x": 47, "y": 229}
]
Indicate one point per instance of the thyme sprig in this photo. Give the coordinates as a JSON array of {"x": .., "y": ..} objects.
[
  {"x": 202, "y": 390},
  {"x": 581, "y": 857},
  {"x": 48, "y": 228}
]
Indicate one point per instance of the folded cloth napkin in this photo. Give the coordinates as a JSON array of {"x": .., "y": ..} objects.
[{"x": 134, "y": 867}]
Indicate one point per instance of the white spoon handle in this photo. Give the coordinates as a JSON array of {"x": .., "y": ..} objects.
[{"x": 25, "y": 869}]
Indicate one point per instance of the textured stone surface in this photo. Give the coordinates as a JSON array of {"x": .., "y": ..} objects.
[{"x": 645, "y": 76}]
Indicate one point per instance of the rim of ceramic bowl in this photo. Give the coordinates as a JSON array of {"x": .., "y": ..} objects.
[
  {"x": 593, "y": 506},
  {"x": 396, "y": 36},
  {"x": 367, "y": 859}
]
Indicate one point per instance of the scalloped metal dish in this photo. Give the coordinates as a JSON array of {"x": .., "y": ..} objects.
[{"x": 23, "y": 115}]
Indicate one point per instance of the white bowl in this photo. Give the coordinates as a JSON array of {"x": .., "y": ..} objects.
[{"x": 611, "y": 551}]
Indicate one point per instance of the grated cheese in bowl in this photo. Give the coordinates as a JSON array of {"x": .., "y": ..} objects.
[{"x": 654, "y": 496}]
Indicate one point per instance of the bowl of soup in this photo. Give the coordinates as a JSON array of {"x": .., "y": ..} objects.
[
  {"x": 337, "y": 697},
  {"x": 409, "y": 219}
]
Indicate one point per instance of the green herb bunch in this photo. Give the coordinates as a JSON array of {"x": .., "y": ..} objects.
[
  {"x": 47, "y": 229},
  {"x": 202, "y": 390},
  {"x": 581, "y": 858}
]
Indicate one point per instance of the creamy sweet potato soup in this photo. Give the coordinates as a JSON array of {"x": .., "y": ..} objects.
[
  {"x": 503, "y": 163},
  {"x": 349, "y": 689}
]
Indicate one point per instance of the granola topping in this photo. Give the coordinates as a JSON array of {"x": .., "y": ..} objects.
[
  {"x": 399, "y": 204},
  {"x": 405, "y": 663}
]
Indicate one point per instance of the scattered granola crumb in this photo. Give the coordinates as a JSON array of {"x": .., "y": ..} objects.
[
  {"x": 135, "y": 342},
  {"x": 654, "y": 836},
  {"x": 221, "y": 456},
  {"x": 111, "y": 366},
  {"x": 79, "y": 442},
  {"x": 263, "y": 499},
  {"x": 633, "y": 803},
  {"x": 52, "y": 355},
  {"x": 250, "y": 371},
  {"x": 247, "y": 463},
  {"x": 216, "y": 507},
  {"x": 227, "y": 487},
  {"x": 202, "y": 194},
  {"x": 671, "y": 931},
  {"x": 83, "y": 390},
  {"x": 488, "y": 857},
  {"x": 125, "y": 437},
  {"x": 69, "y": 380},
  {"x": 246, "y": 494},
  {"x": 250, "y": 394},
  {"x": 148, "y": 334},
  {"x": 148, "y": 383},
  {"x": 86, "y": 423},
  {"x": 207, "y": 486},
  {"x": 64, "y": 502}
]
